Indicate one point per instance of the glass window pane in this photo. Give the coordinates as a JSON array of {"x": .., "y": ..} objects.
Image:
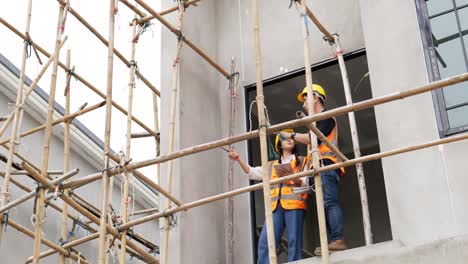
[
  {"x": 463, "y": 14},
  {"x": 437, "y": 6},
  {"x": 461, "y": 2},
  {"x": 451, "y": 59},
  {"x": 456, "y": 94},
  {"x": 444, "y": 27},
  {"x": 458, "y": 117}
]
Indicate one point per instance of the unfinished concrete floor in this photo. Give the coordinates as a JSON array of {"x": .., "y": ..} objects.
[{"x": 452, "y": 250}]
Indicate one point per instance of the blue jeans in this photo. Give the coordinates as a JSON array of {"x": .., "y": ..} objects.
[
  {"x": 333, "y": 212},
  {"x": 293, "y": 220}
]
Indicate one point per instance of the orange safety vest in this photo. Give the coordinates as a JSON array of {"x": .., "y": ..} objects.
[
  {"x": 283, "y": 192},
  {"x": 326, "y": 152}
]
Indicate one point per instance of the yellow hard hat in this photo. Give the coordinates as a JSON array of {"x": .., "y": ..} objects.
[
  {"x": 315, "y": 88},
  {"x": 277, "y": 139}
]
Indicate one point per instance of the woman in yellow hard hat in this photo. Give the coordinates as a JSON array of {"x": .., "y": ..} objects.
[{"x": 288, "y": 208}]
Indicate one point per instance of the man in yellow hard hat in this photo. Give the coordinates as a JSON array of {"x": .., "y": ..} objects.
[{"x": 330, "y": 179}]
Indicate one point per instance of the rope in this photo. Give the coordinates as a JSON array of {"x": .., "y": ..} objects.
[
  {"x": 118, "y": 167},
  {"x": 306, "y": 22},
  {"x": 5, "y": 219},
  {"x": 116, "y": 225},
  {"x": 136, "y": 69},
  {"x": 360, "y": 81},
  {"x": 303, "y": 15},
  {"x": 79, "y": 257},
  {"x": 62, "y": 243},
  {"x": 234, "y": 76},
  {"x": 181, "y": 37},
  {"x": 147, "y": 25},
  {"x": 250, "y": 116},
  {"x": 58, "y": 191},
  {"x": 36, "y": 196},
  {"x": 144, "y": 28},
  {"x": 116, "y": 7},
  {"x": 28, "y": 47},
  {"x": 291, "y": 2},
  {"x": 70, "y": 74},
  {"x": 173, "y": 220}
]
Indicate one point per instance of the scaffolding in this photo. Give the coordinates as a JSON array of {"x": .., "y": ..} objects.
[{"x": 108, "y": 233}]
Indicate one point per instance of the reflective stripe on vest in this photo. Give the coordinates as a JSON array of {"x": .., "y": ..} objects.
[
  {"x": 288, "y": 197},
  {"x": 325, "y": 151},
  {"x": 283, "y": 192}
]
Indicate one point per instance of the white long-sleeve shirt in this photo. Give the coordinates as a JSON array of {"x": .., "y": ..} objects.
[{"x": 256, "y": 173}]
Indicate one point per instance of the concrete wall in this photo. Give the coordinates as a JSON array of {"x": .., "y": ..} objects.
[
  {"x": 198, "y": 237},
  {"x": 424, "y": 188},
  {"x": 224, "y": 29},
  {"x": 16, "y": 247}
]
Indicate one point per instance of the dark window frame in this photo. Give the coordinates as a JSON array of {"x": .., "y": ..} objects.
[
  {"x": 267, "y": 82},
  {"x": 431, "y": 56}
]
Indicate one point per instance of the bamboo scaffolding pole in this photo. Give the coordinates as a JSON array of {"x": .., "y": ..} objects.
[
  {"x": 47, "y": 136},
  {"x": 144, "y": 134},
  {"x": 15, "y": 182},
  {"x": 137, "y": 237},
  {"x": 16, "y": 115},
  {"x": 323, "y": 138},
  {"x": 31, "y": 88},
  {"x": 145, "y": 211},
  {"x": 71, "y": 244},
  {"x": 319, "y": 24},
  {"x": 124, "y": 201},
  {"x": 31, "y": 194},
  {"x": 167, "y": 11},
  {"x": 147, "y": 181},
  {"x": 116, "y": 52},
  {"x": 263, "y": 123},
  {"x": 157, "y": 142},
  {"x": 259, "y": 186},
  {"x": 230, "y": 204},
  {"x": 66, "y": 155},
  {"x": 81, "y": 79},
  {"x": 22, "y": 158},
  {"x": 55, "y": 207},
  {"x": 46, "y": 242},
  {"x": 147, "y": 257},
  {"x": 116, "y": 233},
  {"x": 21, "y": 172},
  {"x": 64, "y": 119},
  {"x": 105, "y": 208},
  {"x": 93, "y": 236},
  {"x": 332, "y": 167},
  {"x": 170, "y": 165},
  {"x": 356, "y": 146},
  {"x": 179, "y": 35},
  {"x": 133, "y": 235},
  {"x": 80, "y": 199},
  {"x": 313, "y": 150},
  {"x": 278, "y": 127}
]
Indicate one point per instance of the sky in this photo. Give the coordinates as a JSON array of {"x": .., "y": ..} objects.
[{"x": 89, "y": 56}]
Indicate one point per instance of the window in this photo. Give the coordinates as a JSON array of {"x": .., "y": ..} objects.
[
  {"x": 280, "y": 98},
  {"x": 444, "y": 25}
]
